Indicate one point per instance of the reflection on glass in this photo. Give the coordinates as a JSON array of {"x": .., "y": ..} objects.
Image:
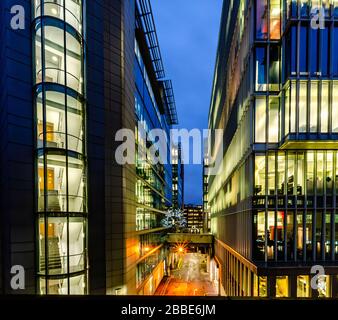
[
  {"x": 275, "y": 19},
  {"x": 261, "y": 81},
  {"x": 261, "y": 19}
]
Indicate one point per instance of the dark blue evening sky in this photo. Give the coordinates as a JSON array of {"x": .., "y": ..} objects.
[{"x": 188, "y": 35}]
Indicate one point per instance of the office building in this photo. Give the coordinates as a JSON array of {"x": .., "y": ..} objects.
[
  {"x": 74, "y": 218},
  {"x": 195, "y": 218},
  {"x": 273, "y": 206},
  {"x": 178, "y": 177},
  {"x": 207, "y": 217}
]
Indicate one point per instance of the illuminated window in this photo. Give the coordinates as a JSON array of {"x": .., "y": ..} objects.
[
  {"x": 324, "y": 287},
  {"x": 263, "y": 292},
  {"x": 327, "y": 242},
  {"x": 299, "y": 235},
  {"x": 303, "y": 287},
  {"x": 300, "y": 174},
  {"x": 260, "y": 120},
  {"x": 271, "y": 174},
  {"x": 314, "y": 107},
  {"x": 287, "y": 111},
  {"x": 293, "y": 108},
  {"x": 302, "y": 106},
  {"x": 282, "y": 287},
  {"x": 324, "y": 115},
  {"x": 281, "y": 174},
  {"x": 259, "y": 237},
  {"x": 273, "y": 120},
  {"x": 280, "y": 235},
  {"x": 329, "y": 173},
  {"x": 255, "y": 285},
  {"x": 291, "y": 174},
  {"x": 320, "y": 173},
  {"x": 260, "y": 175},
  {"x": 275, "y": 19},
  {"x": 271, "y": 235},
  {"x": 335, "y": 104}
]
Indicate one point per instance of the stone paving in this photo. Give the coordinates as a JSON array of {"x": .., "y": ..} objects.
[{"x": 191, "y": 279}]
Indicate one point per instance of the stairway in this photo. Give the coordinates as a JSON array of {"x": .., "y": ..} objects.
[
  {"x": 54, "y": 259},
  {"x": 53, "y": 202}
]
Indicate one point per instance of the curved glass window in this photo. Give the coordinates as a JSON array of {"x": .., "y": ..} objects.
[
  {"x": 55, "y": 179},
  {"x": 64, "y": 246},
  {"x": 68, "y": 10},
  {"x": 59, "y": 121},
  {"x": 60, "y": 140},
  {"x": 55, "y": 62}
]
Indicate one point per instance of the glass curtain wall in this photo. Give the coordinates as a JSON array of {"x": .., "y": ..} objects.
[
  {"x": 60, "y": 146},
  {"x": 300, "y": 189}
]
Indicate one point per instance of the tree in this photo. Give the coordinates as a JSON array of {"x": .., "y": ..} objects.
[{"x": 174, "y": 219}]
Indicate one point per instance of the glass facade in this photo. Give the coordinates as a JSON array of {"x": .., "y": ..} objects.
[
  {"x": 154, "y": 181},
  {"x": 61, "y": 189},
  {"x": 178, "y": 177},
  {"x": 158, "y": 179},
  {"x": 282, "y": 163}
]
